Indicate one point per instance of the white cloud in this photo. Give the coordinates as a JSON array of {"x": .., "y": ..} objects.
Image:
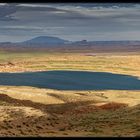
[
  {"x": 22, "y": 27},
  {"x": 34, "y": 5},
  {"x": 3, "y": 4},
  {"x": 72, "y": 22},
  {"x": 58, "y": 12}
]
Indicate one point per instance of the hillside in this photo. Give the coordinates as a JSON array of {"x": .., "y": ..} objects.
[{"x": 45, "y": 40}]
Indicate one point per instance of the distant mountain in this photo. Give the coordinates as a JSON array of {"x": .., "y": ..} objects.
[
  {"x": 48, "y": 40},
  {"x": 5, "y": 43},
  {"x": 55, "y": 44},
  {"x": 82, "y": 42},
  {"x": 106, "y": 43}
]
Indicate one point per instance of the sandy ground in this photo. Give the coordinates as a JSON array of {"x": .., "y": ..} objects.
[{"x": 29, "y": 111}]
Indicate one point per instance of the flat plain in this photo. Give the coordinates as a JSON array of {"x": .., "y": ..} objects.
[{"x": 28, "y": 110}]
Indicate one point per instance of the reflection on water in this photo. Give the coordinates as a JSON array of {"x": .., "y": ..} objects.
[{"x": 71, "y": 80}]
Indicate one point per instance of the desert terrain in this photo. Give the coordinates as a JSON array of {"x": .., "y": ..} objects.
[{"x": 37, "y": 109}]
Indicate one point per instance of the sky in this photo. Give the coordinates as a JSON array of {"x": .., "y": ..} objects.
[{"x": 70, "y": 21}]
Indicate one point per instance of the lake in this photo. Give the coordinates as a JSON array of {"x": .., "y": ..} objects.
[{"x": 71, "y": 80}]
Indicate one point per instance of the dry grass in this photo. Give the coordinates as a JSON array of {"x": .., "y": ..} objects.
[
  {"x": 76, "y": 118},
  {"x": 115, "y": 63},
  {"x": 29, "y": 111}
]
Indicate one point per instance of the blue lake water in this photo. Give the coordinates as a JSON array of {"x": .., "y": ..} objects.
[{"x": 71, "y": 80}]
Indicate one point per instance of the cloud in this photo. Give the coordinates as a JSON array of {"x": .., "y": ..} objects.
[
  {"x": 6, "y": 10},
  {"x": 39, "y": 7},
  {"x": 69, "y": 21},
  {"x": 3, "y": 4},
  {"x": 21, "y": 27}
]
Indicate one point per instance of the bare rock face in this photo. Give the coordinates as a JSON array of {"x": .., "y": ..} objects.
[
  {"x": 7, "y": 64},
  {"x": 11, "y": 64},
  {"x": 8, "y": 67}
]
